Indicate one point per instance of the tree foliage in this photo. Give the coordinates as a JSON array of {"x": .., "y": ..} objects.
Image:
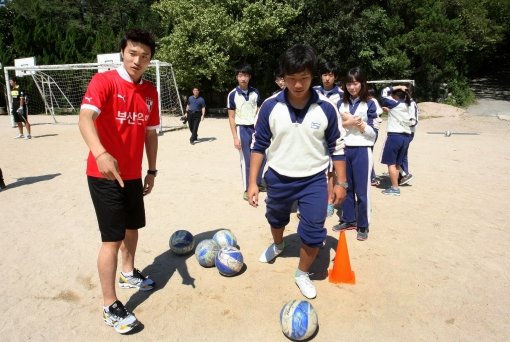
[
  {"x": 206, "y": 38},
  {"x": 432, "y": 41}
]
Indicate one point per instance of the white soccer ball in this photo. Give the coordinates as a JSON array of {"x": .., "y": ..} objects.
[
  {"x": 229, "y": 261},
  {"x": 206, "y": 252},
  {"x": 298, "y": 320},
  {"x": 225, "y": 238}
]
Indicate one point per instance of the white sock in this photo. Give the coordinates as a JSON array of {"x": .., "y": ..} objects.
[{"x": 299, "y": 273}]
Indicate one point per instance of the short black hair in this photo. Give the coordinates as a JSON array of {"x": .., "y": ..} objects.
[
  {"x": 14, "y": 79},
  {"x": 243, "y": 68},
  {"x": 298, "y": 58},
  {"x": 329, "y": 67},
  {"x": 139, "y": 36}
]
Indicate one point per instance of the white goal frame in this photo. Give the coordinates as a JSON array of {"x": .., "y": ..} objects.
[
  {"x": 392, "y": 82},
  {"x": 47, "y": 86}
]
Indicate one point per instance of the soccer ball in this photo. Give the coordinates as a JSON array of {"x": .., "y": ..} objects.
[
  {"x": 225, "y": 238},
  {"x": 229, "y": 261},
  {"x": 298, "y": 320},
  {"x": 206, "y": 252},
  {"x": 182, "y": 242}
]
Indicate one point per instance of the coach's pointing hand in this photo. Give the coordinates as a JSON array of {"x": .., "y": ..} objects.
[{"x": 108, "y": 167}]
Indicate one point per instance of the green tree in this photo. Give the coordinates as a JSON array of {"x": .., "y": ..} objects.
[{"x": 207, "y": 38}]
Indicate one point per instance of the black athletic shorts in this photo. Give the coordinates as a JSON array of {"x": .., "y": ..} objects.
[
  {"x": 19, "y": 117},
  {"x": 117, "y": 208}
]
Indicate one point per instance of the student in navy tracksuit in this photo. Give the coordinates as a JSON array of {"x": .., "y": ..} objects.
[
  {"x": 299, "y": 130},
  {"x": 358, "y": 112},
  {"x": 377, "y": 123},
  {"x": 405, "y": 176},
  {"x": 401, "y": 117},
  {"x": 329, "y": 75},
  {"x": 243, "y": 103}
]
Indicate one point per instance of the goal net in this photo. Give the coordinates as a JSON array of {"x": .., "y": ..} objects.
[{"x": 58, "y": 89}]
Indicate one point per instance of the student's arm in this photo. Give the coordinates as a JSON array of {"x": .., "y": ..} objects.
[
  {"x": 256, "y": 160},
  {"x": 106, "y": 163},
  {"x": 339, "y": 191},
  {"x": 203, "y": 109},
  {"x": 151, "y": 150},
  {"x": 348, "y": 120},
  {"x": 233, "y": 129}
]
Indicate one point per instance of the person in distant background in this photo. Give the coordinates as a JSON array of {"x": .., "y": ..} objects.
[
  {"x": 280, "y": 82},
  {"x": 405, "y": 176},
  {"x": 19, "y": 108},
  {"x": 196, "y": 112},
  {"x": 243, "y": 104},
  {"x": 401, "y": 120},
  {"x": 329, "y": 76}
]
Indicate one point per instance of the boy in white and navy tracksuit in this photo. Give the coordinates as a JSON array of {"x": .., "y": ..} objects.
[
  {"x": 243, "y": 103},
  {"x": 299, "y": 130},
  {"x": 329, "y": 75},
  {"x": 401, "y": 117}
]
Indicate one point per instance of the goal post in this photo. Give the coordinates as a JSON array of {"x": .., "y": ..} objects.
[{"x": 58, "y": 89}]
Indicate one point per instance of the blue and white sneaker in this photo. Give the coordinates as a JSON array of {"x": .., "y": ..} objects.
[{"x": 391, "y": 191}]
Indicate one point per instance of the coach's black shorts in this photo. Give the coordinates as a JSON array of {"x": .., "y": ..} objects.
[{"x": 117, "y": 208}]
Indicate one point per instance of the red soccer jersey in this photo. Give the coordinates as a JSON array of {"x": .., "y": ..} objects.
[{"x": 126, "y": 110}]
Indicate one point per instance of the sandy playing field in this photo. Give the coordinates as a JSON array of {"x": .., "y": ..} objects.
[{"x": 436, "y": 266}]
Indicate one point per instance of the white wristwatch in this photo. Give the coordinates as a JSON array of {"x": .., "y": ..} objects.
[{"x": 344, "y": 185}]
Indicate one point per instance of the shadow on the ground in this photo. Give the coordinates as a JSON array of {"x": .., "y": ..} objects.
[
  {"x": 320, "y": 266},
  {"x": 31, "y": 180},
  {"x": 163, "y": 268},
  {"x": 494, "y": 84},
  {"x": 206, "y": 139}
]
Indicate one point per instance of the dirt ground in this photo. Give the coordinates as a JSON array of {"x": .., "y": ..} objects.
[{"x": 435, "y": 267}]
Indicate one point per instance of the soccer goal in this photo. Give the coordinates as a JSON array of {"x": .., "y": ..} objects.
[{"x": 58, "y": 89}]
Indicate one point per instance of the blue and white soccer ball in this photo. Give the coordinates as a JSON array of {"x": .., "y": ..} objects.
[
  {"x": 225, "y": 238},
  {"x": 206, "y": 252},
  {"x": 182, "y": 242},
  {"x": 298, "y": 320},
  {"x": 229, "y": 261}
]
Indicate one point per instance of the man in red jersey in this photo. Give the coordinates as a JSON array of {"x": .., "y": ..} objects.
[{"x": 119, "y": 116}]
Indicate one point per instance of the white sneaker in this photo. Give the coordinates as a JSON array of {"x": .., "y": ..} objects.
[
  {"x": 270, "y": 253},
  {"x": 19, "y": 136},
  {"x": 137, "y": 280},
  {"x": 306, "y": 286},
  {"x": 119, "y": 318},
  {"x": 28, "y": 137}
]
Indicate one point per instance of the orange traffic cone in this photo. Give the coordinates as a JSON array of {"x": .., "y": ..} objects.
[{"x": 341, "y": 271}]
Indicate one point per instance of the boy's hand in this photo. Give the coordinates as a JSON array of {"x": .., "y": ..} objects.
[
  {"x": 339, "y": 194},
  {"x": 237, "y": 143},
  {"x": 253, "y": 195}
]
